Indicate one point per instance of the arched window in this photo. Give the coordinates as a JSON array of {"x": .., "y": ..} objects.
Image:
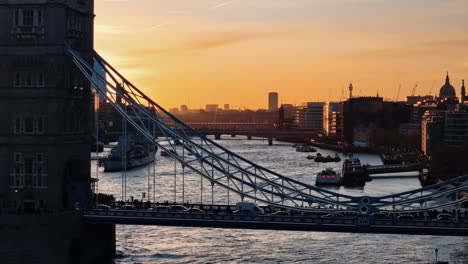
[
  {"x": 40, "y": 79},
  {"x": 17, "y": 79},
  {"x": 17, "y": 125},
  {"x": 29, "y": 125}
]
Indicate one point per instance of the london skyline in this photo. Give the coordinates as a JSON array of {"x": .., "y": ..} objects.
[{"x": 186, "y": 52}]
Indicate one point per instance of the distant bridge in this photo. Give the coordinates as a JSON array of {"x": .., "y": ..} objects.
[{"x": 270, "y": 134}]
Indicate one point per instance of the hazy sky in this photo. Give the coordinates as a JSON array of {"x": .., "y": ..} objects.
[{"x": 197, "y": 52}]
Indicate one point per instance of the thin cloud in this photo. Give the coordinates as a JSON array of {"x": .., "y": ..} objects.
[
  {"x": 225, "y": 3},
  {"x": 212, "y": 41}
]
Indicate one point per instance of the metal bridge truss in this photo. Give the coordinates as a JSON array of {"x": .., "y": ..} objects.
[{"x": 234, "y": 173}]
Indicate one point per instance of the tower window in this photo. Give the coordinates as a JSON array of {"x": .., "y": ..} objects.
[
  {"x": 28, "y": 17},
  {"x": 29, "y": 81},
  {"x": 18, "y": 157},
  {"x": 40, "y": 157},
  {"x": 39, "y": 17},
  {"x": 16, "y": 17},
  {"x": 17, "y": 125},
  {"x": 29, "y": 125},
  {"x": 40, "y": 125},
  {"x": 40, "y": 79},
  {"x": 17, "y": 79}
]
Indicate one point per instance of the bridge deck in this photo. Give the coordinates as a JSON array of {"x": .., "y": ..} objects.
[{"x": 305, "y": 223}]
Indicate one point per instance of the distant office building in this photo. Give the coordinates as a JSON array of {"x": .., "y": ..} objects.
[
  {"x": 415, "y": 99},
  {"x": 226, "y": 107},
  {"x": 211, "y": 108},
  {"x": 183, "y": 108},
  {"x": 273, "y": 102},
  {"x": 370, "y": 121},
  {"x": 310, "y": 116},
  {"x": 432, "y": 130},
  {"x": 456, "y": 126},
  {"x": 332, "y": 118},
  {"x": 286, "y": 116},
  {"x": 288, "y": 111},
  {"x": 441, "y": 127}
]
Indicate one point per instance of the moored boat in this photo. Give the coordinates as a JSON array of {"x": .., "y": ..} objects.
[
  {"x": 305, "y": 148},
  {"x": 328, "y": 177},
  {"x": 132, "y": 151}
]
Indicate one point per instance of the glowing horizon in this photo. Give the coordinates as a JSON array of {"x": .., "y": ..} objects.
[{"x": 235, "y": 52}]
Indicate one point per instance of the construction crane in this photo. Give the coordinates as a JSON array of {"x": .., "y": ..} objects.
[
  {"x": 414, "y": 89},
  {"x": 398, "y": 93}
]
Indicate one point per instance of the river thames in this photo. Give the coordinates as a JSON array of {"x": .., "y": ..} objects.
[{"x": 153, "y": 244}]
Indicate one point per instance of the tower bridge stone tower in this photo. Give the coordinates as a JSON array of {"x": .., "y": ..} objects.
[
  {"x": 45, "y": 135},
  {"x": 45, "y": 105}
]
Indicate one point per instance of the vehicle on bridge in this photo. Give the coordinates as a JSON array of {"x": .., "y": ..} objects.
[{"x": 248, "y": 208}]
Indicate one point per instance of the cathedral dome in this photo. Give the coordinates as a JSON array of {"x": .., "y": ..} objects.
[{"x": 447, "y": 90}]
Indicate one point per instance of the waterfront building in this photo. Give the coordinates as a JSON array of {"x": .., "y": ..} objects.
[
  {"x": 369, "y": 121},
  {"x": 288, "y": 111},
  {"x": 456, "y": 126},
  {"x": 332, "y": 118},
  {"x": 273, "y": 101},
  {"x": 432, "y": 130},
  {"x": 310, "y": 116},
  {"x": 286, "y": 116},
  {"x": 418, "y": 99}
]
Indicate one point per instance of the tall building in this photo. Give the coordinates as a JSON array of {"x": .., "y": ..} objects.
[
  {"x": 332, "y": 118},
  {"x": 273, "y": 102},
  {"x": 46, "y": 104},
  {"x": 447, "y": 128},
  {"x": 288, "y": 111},
  {"x": 310, "y": 116},
  {"x": 226, "y": 107},
  {"x": 432, "y": 130},
  {"x": 456, "y": 126},
  {"x": 368, "y": 121}
]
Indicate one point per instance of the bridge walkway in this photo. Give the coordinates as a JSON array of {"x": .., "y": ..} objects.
[{"x": 323, "y": 222}]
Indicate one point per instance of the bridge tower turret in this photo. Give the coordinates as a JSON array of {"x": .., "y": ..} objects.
[{"x": 45, "y": 105}]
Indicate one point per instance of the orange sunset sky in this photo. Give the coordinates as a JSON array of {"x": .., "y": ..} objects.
[{"x": 197, "y": 52}]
